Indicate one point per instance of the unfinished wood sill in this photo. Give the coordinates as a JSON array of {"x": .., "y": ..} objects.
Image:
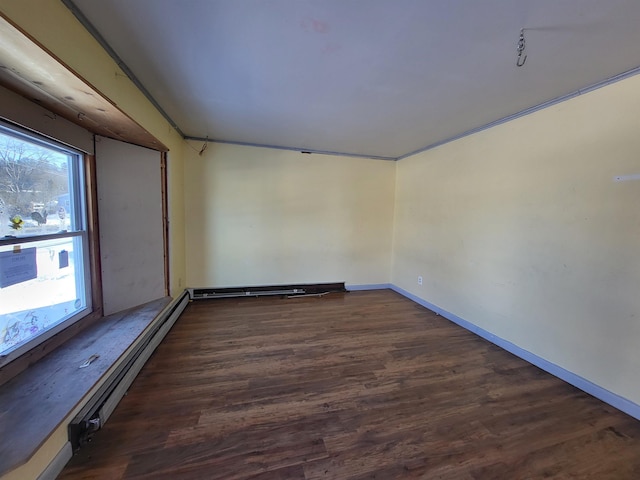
[{"x": 36, "y": 402}]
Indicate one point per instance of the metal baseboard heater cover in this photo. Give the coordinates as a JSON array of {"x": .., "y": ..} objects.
[
  {"x": 258, "y": 291},
  {"x": 100, "y": 407}
]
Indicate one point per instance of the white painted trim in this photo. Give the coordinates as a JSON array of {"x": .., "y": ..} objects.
[
  {"x": 58, "y": 463},
  {"x": 123, "y": 385},
  {"x": 613, "y": 399},
  {"x": 105, "y": 398},
  {"x": 368, "y": 286}
]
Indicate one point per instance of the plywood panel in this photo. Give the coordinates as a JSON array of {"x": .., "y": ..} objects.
[{"x": 131, "y": 232}]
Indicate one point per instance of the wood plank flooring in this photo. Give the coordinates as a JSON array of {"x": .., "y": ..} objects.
[{"x": 364, "y": 385}]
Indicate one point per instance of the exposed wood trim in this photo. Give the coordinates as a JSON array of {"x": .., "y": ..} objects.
[
  {"x": 34, "y": 72},
  {"x": 165, "y": 219},
  {"x": 25, "y": 114},
  {"x": 93, "y": 230}
]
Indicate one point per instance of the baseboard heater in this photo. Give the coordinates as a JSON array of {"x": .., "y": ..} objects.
[
  {"x": 233, "y": 292},
  {"x": 100, "y": 407}
]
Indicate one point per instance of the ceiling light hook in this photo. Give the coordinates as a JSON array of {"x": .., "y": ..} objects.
[
  {"x": 521, "y": 63},
  {"x": 521, "y": 45}
]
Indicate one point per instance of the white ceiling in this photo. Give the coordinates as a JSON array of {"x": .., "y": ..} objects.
[{"x": 379, "y": 78}]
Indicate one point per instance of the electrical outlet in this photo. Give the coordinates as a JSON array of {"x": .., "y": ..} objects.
[{"x": 419, "y": 280}]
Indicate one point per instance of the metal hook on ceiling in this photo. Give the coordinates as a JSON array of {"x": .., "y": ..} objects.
[{"x": 521, "y": 45}]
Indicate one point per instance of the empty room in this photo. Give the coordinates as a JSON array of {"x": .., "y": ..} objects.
[{"x": 338, "y": 239}]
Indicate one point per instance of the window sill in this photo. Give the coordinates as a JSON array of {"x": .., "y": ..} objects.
[{"x": 35, "y": 403}]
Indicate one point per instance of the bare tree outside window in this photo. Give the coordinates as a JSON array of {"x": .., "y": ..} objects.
[
  {"x": 43, "y": 241},
  {"x": 34, "y": 185}
]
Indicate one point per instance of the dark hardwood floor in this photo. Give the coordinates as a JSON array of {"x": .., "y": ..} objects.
[{"x": 349, "y": 386}]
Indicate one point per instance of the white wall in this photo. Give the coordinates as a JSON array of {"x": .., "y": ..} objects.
[
  {"x": 259, "y": 216},
  {"x": 522, "y": 231}
]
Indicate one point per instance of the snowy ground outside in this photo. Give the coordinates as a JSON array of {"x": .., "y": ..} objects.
[{"x": 32, "y": 306}]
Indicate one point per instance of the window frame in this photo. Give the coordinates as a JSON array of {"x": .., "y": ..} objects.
[{"x": 82, "y": 182}]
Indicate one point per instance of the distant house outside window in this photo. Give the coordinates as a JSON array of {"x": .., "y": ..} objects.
[{"x": 44, "y": 266}]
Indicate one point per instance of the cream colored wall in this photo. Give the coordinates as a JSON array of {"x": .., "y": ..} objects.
[
  {"x": 259, "y": 216},
  {"x": 51, "y": 24},
  {"x": 522, "y": 230},
  {"x": 519, "y": 229}
]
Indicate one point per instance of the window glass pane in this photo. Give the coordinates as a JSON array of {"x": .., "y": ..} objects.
[
  {"x": 29, "y": 307},
  {"x": 43, "y": 283},
  {"x": 36, "y": 188}
]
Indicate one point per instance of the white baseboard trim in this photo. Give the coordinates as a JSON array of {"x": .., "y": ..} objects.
[
  {"x": 616, "y": 401},
  {"x": 369, "y": 286}
]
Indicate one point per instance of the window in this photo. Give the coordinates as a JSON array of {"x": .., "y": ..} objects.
[{"x": 44, "y": 262}]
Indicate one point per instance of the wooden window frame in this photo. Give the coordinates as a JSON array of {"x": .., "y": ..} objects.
[{"x": 21, "y": 363}]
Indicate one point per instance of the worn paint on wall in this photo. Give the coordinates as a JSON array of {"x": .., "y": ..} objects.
[{"x": 523, "y": 231}]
